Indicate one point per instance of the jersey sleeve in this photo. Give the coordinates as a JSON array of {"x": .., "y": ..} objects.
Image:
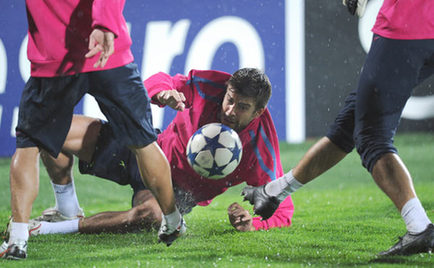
[
  {"x": 206, "y": 84},
  {"x": 163, "y": 81},
  {"x": 107, "y": 14},
  {"x": 281, "y": 218}
]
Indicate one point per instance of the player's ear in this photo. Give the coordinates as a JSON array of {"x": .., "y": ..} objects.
[{"x": 259, "y": 112}]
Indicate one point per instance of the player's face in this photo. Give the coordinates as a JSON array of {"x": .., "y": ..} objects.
[{"x": 238, "y": 111}]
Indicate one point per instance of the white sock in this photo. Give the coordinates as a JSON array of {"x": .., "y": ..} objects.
[
  {"x": 173, "y": 218},
  {"x": 19, "y": 232},
  {"x": 66, "y": 199},
  {"x": 61, "y": 227},
  {"x": 283, "y": 186},
  {"x": 414, "y": 216}
]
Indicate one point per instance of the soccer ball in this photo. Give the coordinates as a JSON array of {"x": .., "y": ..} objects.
[{"x": 214, "y": 151}]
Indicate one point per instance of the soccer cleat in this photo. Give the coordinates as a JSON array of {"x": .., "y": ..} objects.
[
  {"x": 356, "y": 6},
  {"x": 412, "y": 243},
  {"x": 3, "y": 248},
  {"x": 169, "y": 234},
  {"x": 6, "y": 231},
  {"x": 54, "y": 215},
  {"x": 263, "y": 204},
  {"x": 34, "y": 227},
  {"x": 16, "y": 251}
]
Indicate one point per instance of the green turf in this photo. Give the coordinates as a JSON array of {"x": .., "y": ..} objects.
[{"x": 340, "y": 219}]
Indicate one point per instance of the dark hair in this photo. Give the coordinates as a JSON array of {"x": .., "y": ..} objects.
[{"x": 252, "y": 82}]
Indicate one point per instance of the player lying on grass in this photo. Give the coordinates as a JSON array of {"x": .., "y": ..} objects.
[
  {"x": 401, "y": 56},
  {"x": 238, "y": 101}
]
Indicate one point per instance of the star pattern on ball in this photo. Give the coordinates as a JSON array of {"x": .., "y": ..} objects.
[
  {"x": 202, "y": 150},
  {"x": 235, "y": 153},
  {"x": 212, "y": 144},
  {"x": 215, "y": 170}
]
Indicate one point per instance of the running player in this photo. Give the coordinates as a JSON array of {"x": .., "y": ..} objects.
[
  {"x": 70, "y": 43},
  {"x": 401, "y": 56}
]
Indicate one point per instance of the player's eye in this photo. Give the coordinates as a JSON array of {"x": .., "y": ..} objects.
[{"x": 243, "y": 107}]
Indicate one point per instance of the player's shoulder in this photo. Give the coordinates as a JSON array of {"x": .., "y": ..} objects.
[
  {"x": 215, "y": 76},
  {"x": 266, "y": 123}
]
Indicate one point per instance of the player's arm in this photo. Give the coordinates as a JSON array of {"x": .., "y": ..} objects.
[
  {"x": 173, "y": 91},
  {"x": 106, "y": 18},
  {"x": 164, "y": 89}
]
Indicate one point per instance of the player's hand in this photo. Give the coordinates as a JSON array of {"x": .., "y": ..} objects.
[
  {"x": 172, "y": 98},
  {"x": 240, "y": 218},
  {"x": 100, "y": 41},
  {"x": 263, "y": 204}
]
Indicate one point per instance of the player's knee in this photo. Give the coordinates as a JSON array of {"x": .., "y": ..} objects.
[
  {"x": 370, "y": 150},
  {"x": 341, "y": 138}
]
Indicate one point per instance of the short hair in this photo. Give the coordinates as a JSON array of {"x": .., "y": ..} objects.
[{"x": 252, "y": 82}]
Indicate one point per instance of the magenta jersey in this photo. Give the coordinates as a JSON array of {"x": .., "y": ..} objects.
[
  {"x": 260, "y": 163},
  {"x": 59, "y": 35},
  {"x": 406, "y": 19}
]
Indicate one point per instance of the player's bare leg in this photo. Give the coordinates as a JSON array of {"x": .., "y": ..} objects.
[
  {"x": 145, "y": 215},
  {"x": 155, "y": 172},
  {"x": 82, "y": 137},
  {"x": 392, "y": 176},
  {"x": 24, "y": 183},
  {"x": 59, "y": 169},
  {"x": 322, "y": 156},
  {"x": 80, "y": 141}
]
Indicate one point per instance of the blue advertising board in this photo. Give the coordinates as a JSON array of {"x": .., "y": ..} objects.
[{"x": 174, "y": 37}]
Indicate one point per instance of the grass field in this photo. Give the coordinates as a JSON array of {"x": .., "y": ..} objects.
[{"x": 341, "y": 219}]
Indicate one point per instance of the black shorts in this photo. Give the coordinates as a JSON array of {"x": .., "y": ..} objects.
[
  {"x": 47, "y": 105},
  {"x": 371, "y": 114},
  {"x": 115, "y": 162}
]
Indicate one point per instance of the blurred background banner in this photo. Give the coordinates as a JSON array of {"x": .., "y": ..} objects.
[{"x": 311, "y": 50}]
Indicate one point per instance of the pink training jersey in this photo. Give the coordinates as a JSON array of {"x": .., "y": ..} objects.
[
  {"x": 59, "y": 35},
  {"x": 260, "y": 163},
  {"x": 406, "y": 19}
]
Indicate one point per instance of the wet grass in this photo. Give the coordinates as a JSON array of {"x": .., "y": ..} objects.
[{"x": 340, "y": 219}]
